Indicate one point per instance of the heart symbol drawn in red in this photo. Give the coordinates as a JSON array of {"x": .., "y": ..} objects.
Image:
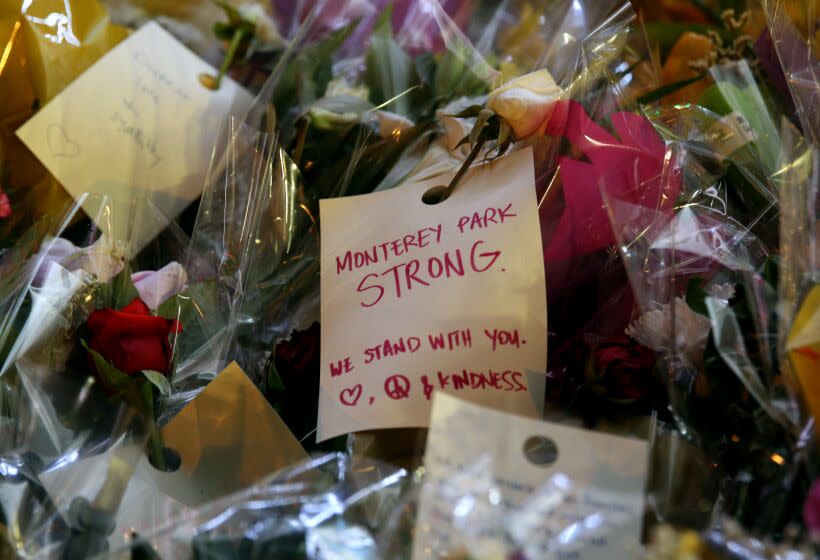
[{"x": 350, "y": 397}]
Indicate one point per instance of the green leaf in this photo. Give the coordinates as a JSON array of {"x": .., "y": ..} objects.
[
  {"x": 155, "y": 445},
  {"x": 454, "y": 79},
  {"x": 480, "y": 124},
  {"x": 233, "y": 14},
  {"x": 110, "y": 375},
  {"x": 307, "y": 74},
  {"x": 696, "y": 296},
  {"x": 119, "y": 291},
  {"x": 469, "y": 113},
  {"x": 158, "y": 380},
  {"x": 665, "y": 90},
  {"x": 198, "y": 327},
  {"x": 389, "y": 72}
]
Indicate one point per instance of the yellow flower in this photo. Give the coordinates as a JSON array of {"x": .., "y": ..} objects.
[{"x": 526, "y": 102}]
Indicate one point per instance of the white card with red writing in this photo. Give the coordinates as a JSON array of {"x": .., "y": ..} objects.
[
  {"x": 498, "y": 485},
  {"x": 137, "y": 126},
  {"x": 418, "y": 298}
]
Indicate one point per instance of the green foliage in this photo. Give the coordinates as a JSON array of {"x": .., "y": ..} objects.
[
  {"x": 390, "y": 72},
  {"x": 696, "y": 296},
  {"x": 118, "y": 292},
  {"x": 186, "y": 307},
  {"x": 306, "y": 76},
  {"x": 158, "y": 380}
]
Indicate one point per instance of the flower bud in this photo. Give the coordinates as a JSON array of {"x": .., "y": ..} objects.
[{"x": 526, "y": 102}]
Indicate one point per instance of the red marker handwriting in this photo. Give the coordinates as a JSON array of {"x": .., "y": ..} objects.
[
  {"x": 349, "y": 397},
  {"x": 500, "y": 337},
  {"x": 451, "y": 340},
  {"x": 491, "y": 216},
  {"x": 397, "y": 387},
  {"x": 402, "y": 278},
  {"x": 340, "y": 367}
]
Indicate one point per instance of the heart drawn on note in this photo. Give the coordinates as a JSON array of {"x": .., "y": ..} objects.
[
  {"x": 350, "y": 397},
  {"x": 59, "y": 144}
]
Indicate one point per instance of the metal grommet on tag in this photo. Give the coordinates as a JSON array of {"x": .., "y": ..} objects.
[
  {"x": 433, "y": 195},
  {"x": 540, "y": 451},
  {"x": 171, "y": 458}
]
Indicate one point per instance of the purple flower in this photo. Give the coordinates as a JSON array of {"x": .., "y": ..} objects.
[
  {"x": 415, "y": 22},
  {"x": 102, "y": 259},
  {"x": 54, "y": 250},
  {"x": 157, "y": 287}
]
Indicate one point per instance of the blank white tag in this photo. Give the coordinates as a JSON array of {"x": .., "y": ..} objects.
[{"x": 498, "y": 484}]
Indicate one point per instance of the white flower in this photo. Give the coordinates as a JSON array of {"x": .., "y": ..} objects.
[
  {"x": 722, "y": 291},
  {"x": 104, "y": 259},
  {"x": 266, "y": 30},
  {"x": 340, "y": 86},
  {"x": 654, "y": 330},
  {"x": 526, "y": 102}
]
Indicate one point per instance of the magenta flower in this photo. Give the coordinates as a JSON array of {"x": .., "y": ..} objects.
[
  {"x": 5, "y": 205},
  {"x": 811, "y": 509},
  {"x": 630, "y": 167}
]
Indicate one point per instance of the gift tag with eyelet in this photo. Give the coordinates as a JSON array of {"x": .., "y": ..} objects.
[
  {"x": 225, "y": 439},
  {"x": 497, "y": 485},
  {"x": 418, "y": 297},
  {"x": 137, "y": 125}
]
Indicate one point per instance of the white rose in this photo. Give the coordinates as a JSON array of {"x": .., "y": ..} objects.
[
  {"x": 266, "y": 29},
  {"x": 654, "y": 330},
  {"x": 526, "y": 102}
]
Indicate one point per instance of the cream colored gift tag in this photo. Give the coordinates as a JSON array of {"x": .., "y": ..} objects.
[
  {"x": 419, "y": 298},
  {"x": 138, "y": 125},
  {"x": 499, "y": 486},
  {"x": 227, "y": 438}
]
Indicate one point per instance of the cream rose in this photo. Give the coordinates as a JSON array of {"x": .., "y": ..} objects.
[{"x": 526, "y": 102}]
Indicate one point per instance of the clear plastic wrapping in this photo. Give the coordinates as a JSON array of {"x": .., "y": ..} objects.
[
  {"x": 101, "y": 345},
  {"x": 327, "y": 507}
]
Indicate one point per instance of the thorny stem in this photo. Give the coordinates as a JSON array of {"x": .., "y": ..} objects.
[
  {"x": 238, "y": 37},
  {"x": 462, "y": 170}
]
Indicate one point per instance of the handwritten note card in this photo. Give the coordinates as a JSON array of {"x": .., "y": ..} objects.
[
  {"x": 137, "y": 126},
  {"x": 419, "y": 298},
  {"x": 499, "y": 486}
]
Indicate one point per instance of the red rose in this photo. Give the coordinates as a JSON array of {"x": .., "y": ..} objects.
[
  {"x": 625, "y": 368},
  {"x": 132, "y": 339}
]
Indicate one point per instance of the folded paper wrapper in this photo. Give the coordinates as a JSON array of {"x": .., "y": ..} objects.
[
  {"x": 803, "y": 346},
  {"x": 227, "y": 438},
  {"x": 44, "y": 49}
]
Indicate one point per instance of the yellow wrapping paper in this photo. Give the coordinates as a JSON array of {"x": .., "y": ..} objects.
[
  {"x": 44, "y": 46},
  {"x": 803, "y": 345}
]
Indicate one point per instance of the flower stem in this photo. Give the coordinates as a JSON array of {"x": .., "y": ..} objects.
[
  {"x": 238, "y": 37},
  {"x": 301, "y": 136},
  {"x": 462, "y": 170}
]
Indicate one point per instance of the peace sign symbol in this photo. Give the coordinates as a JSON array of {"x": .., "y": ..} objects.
[{"x": 397, "y": 387}]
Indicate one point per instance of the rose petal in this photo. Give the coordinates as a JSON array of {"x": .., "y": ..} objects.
[{"x": 155, "y": 288}]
